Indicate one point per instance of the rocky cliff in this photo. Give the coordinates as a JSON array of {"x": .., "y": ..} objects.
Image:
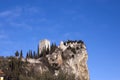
[{"x": 70, "y": 57}]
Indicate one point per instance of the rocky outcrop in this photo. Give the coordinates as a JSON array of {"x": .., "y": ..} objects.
[
  {"x": 70, "y": 57},
  {"x": 72, "y": 60}
]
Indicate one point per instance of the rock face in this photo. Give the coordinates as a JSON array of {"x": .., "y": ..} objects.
[{"x": 70, "y": 57}]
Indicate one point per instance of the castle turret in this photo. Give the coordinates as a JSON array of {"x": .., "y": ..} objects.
[{"x": 44, "y": 44}]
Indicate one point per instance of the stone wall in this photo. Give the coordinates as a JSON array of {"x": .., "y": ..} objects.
[{"x": 44, "y": 44}]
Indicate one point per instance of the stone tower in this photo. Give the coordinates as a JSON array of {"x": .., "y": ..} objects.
[{"x": 44, "y": 44}]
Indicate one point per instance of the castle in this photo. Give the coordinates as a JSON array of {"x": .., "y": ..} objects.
[
  {"x": 70, "y": 56},
  {"x": 44, "y": 44}
]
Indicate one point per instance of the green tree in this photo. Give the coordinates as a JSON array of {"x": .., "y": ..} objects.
[
  {"x": 16, "y": 53},
  {"x": 38, "y": 52},
  {"x": 21, "y": 54},
  {"x": 30, "y": 54},
  {"x": 53, "y": 47},
  {"x": 27, "y": 55},
  {"x": 35, "y": 55}
]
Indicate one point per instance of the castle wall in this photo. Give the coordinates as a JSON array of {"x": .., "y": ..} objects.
[{"x": 44, "y": 44}]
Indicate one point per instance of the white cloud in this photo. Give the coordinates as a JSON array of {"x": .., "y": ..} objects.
[
  {"x": 5, "y": 13},
  {"x": 11, "y": 16},
  {"x": 66, "y": 34},
  {"x": 22, "y": 25},
  {"x": 18, "y": 12},
  {"x": 69, "y": 11},
  {"x": 3, "y": 35},
  {"x": 4, "y": 39},
  {"x": 11, "y": 13},
  {"x": 1, "y": 25},
  {"x": 31, "y": 9},
  {"x": 71, "y": 34}
]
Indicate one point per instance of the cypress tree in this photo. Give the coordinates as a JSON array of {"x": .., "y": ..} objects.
[
  {"x": 34, "y": 55},
  {"x": 21, "y": 54},
  {"x": 38, "y": 50},
  {"x": 16, "y": 53},
  {"x": 27, "y": 56}
]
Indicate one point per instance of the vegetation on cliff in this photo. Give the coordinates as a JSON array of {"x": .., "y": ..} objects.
[{"x": 18, "y": 68}]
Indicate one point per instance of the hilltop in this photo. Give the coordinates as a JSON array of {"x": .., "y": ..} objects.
[{"x": 68, "y": 61}]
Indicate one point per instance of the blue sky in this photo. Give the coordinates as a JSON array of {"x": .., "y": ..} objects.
[{"x": 23, "y": 23}]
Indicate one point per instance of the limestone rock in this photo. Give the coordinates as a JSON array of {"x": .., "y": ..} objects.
[
  {"x": 73, "y": 60},
  {"x": 62, "y": 46},
  {"x": 70, "y": 57}
]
